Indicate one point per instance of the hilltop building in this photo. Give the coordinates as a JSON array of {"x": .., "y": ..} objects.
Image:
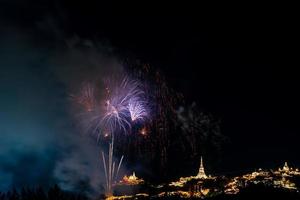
[{"x": 200, "y": 176}]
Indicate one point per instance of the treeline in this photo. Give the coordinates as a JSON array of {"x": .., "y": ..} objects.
[{"x": 54, "y": 193}]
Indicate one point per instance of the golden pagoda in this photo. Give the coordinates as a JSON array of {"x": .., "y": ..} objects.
[
  {"x": 201, "y": 173},
  {"x": 131, "y": 180}
]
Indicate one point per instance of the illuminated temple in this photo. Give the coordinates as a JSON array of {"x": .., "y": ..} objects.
[
  {"x": 287, "y": 171},
  {"x": 201, "y": 176},
  {"x": 281, "y": 178},
  {"x": 202, "y": 185},
  {"x": 131, "y": 180}
]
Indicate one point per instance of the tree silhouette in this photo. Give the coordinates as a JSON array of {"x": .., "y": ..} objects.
[{"x": 54, "y": 193}]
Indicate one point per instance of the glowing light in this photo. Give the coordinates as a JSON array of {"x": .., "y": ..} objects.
[
  {"x": 196, "y": 187},
  {"x": 137, "y": 109},
  {"x": 143, "y": 131},
  {"x": 201, "y": 175},
  {"x": 131, "y": 180},
  {"x": 124, "y": 102}
]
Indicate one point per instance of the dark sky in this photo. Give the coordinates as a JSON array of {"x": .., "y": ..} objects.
[{"x": 242, "y": 67}]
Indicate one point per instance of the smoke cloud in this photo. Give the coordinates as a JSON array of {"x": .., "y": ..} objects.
[{"x": 40, "y": 142}]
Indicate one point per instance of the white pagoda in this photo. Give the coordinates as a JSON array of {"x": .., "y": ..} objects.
[{"x": 201, "y": 173}]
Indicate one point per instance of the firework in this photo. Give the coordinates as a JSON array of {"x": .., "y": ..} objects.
[
  {"x": 162, "y": 103},
  {"x": 123, "y": 104},
  {"x": 86, "y": 97},
  {"x": 137, "y": 109},
  {"x": 115, "y": 117},
  {"x": 120, "y": 104}
]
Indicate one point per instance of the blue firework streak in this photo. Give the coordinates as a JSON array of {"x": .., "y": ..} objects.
[
  {"x": 137, "y": 109},
  {"x": 125, "y": 103},
  {"x": 122, "y": 104}
]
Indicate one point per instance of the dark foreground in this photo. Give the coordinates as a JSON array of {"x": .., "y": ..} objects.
[
  {"x": 55, "y": 193},
  {"x": 254, "y": 193}
]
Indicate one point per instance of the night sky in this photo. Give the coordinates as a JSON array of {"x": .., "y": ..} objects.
[{"x": 240, "y": 68}]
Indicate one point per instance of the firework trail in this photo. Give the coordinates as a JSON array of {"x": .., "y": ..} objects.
[
  {"x": 154, "y": 141},
  {"x": 111, "y": 175},
  {"x": 137, "y": 109},
  {"x": 86, "y": 97},
  {"x": 124, "y": 104}
]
